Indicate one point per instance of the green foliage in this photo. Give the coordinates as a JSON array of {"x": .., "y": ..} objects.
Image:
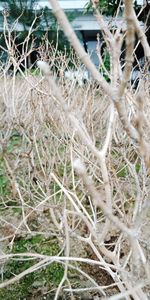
[
  {"x": 42, "y": 20},
  {"x": 106, "y": 61},
  {"x": 109, "y": 8},
  {"x": 137, "y": 167},
  {"x": 22, "y": 10},
  {"x": 25, "y": 14},
  {"x": 106, "y": 7}
]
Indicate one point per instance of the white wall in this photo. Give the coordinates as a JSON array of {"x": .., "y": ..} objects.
[
  {"x": 66, "y": 4},
  {"x": 70, "y": 4}
]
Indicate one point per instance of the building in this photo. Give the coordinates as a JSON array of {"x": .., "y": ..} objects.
[
  {"x": 82, "y": 22},
  {"x": 85, "y": 25}
]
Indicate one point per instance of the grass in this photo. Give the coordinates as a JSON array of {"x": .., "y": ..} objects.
[
  {"x": 4, "y": 183},
  {"x": 45, "y": 279}
]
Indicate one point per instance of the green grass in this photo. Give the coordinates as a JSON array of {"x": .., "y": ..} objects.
[
  {"x": 123, "y": 172},
  {"x": 47, "y": 279},
  {"x": 43, "y": 279},
  {"x": 33, "y": 284},
  {"x": 4, "y": 180},
  {"x": 15, "y": 141}
]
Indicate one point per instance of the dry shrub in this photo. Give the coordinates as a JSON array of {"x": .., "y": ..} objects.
[{"x": 79, "y": 167}]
